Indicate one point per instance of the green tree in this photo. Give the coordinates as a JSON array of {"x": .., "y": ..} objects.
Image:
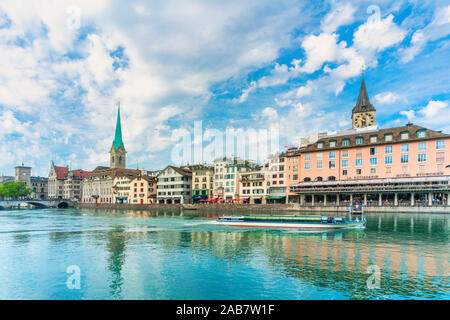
[{"x": 14, "y": 189}]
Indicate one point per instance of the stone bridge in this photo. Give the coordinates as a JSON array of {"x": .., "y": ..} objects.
[{"x": 11, "y": 204}]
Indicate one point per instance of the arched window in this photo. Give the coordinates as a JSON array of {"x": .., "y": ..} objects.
[
  {"x": 318, "y": 179},
  {"x": 307, "y": 179},
  {"x": 332, "y": 178},
  {"x": 120, "y": 160}
]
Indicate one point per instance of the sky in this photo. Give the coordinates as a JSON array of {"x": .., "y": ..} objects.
[{"x": 231, "y": 64}]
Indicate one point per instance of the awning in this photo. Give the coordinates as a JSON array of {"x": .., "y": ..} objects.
[{"x": 275, "y": 197}]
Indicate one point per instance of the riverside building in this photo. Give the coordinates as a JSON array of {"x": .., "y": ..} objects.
[
  {"x": 202, "y": 182},
  {"x": 401, "y": 166},
  {"x": 174, "y": 185}
]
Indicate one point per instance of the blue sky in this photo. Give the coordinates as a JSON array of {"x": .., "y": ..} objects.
[{"x": 232, "y": 64}]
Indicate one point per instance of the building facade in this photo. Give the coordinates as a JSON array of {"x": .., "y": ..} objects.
[
  {"x": 56, "y": 179},
  {"x": 276, "y": 179},
  {"x": 226, "y": 176},
  {"x": 143, "y": 190},
  {"x": 254, "y": 186},
  {"x": 39, "y": 187},
  {"x": 405, "y": 165},
  {"x": 202, "y": 182},
  {"x": 174, "y": 185}
]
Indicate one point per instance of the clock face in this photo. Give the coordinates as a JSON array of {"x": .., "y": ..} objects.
[{"x": 363, "y": 120}]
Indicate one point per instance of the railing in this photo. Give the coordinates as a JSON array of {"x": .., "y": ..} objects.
[{"x": 405, "y": 188}]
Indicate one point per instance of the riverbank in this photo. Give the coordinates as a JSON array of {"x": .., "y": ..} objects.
[{"x": 266, "y": 208}]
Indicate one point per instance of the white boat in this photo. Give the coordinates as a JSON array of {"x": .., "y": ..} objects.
[{"x": 294, "y": 222}]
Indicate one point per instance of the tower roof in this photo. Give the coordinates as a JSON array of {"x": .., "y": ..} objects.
[
  {"x": 363, "y": 103},
  {"x": 118, "y": 136}
]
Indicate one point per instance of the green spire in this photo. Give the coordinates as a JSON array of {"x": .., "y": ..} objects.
[{"x": 118, "y": 136}]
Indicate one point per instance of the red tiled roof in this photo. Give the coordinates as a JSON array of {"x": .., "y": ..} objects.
[
  {"x": 80, "y": 173},
  {"x": 61, "y": 172}
]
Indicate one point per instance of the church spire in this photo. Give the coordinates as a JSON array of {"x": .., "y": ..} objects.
[
  {"x": 363, "y": 103},
  {"x": 118, "y": 136}
]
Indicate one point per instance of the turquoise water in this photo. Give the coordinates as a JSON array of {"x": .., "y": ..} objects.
[{"x": 165, "y": 255}]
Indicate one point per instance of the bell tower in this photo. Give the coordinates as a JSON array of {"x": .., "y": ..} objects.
[
  {"x": 117, "y": 153},
  {"x": 363, "y": 114}
]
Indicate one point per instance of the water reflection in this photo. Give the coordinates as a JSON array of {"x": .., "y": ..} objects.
[
  {"x": 168, "y": 254},
  {"x": 116, "y": 247}
]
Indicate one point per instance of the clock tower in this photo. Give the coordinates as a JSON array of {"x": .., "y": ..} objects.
[{"x": 363, "y": 114}]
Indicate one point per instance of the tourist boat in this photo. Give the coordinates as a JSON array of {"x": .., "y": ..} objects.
[{"x": 295, "y": 222}]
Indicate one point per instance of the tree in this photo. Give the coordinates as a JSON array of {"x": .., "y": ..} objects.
[{"x": 14, "y": 189}]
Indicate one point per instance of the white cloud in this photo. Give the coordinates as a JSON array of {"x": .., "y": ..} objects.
[
  {"x": 433, "y": 108},
  {"x": 386, "y": 97},
  {"x": 437, "y": 29},
  {"x": 340, "y": 15}
]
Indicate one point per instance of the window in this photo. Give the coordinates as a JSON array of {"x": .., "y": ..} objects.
[
  {"x": 387, "y": 160},
  {"x": 333, "y": 143},
  {"x": 319, "y": 165},
  {"x": 344, "y": 154},
  {"x": 440, "y": 145},
  {"x": 388, "y": 137},
  {"x": 440, "y": 156},
  {"x": 373, "y": 139},
  {"x": 344, "y": 172},
  {"x": 358, "y": 162},
  {"x": 388, "y": 169},
  {"x": 307, "y": 166},
  {"x": 373, "y": 161},
  {"x": 332, "y": 164},
  {"x": 358, "y": 171},
  {"x": 344, "y": 163},
  {"x": 332, "y": 155},
  {"x": 422, "y": 157},
  {"x": 295, "y": 168},
  {"x": 388, "y": 149},
  {"x": 295, "y": 177},
  {"x": 404, "y": 135},
  {"x": 373, "y": 151},
  {"x": 421, "y": 133},
  {"x": 422, "y": 146},
  {"x": 359, "y": 140},
  {"x": 404, "y": 158},
  {"x": 346, "y": 142},
  {"x": 307, "y": 157},
  {"x": 404, "y": 148},
  {"x": 295, "y": 161},
  {"x": 319, "y": 156},
  {"x": 373, "y": 170},
  {"x": 320, "y": 145}
]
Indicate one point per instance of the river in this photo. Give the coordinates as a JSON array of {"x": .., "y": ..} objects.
[{"x": 118, "y": 254}]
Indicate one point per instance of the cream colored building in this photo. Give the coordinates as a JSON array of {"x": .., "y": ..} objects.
[
  {"x": 202, "y": 182},
  {"x": 143, "y": 190},
  {"x": 99, "y": 185},
  {"x": 226, "y": 176},
  {"x": 254, "y": 186}
]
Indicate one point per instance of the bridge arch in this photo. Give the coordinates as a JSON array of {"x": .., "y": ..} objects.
[{"x": 63, "y": 205}]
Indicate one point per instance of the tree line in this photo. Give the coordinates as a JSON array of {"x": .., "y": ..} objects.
[{"x": 14, "y": 190}]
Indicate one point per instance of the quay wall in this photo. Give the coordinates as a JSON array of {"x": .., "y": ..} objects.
[{"x": 268, "y": 208}]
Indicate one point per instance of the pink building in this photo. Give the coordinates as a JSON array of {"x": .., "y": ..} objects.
[{"x": 406, "y": 165}]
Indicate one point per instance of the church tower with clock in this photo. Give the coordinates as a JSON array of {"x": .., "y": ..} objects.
[{"x": 363, "y": 113}]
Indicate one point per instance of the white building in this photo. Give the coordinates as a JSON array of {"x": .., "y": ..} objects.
[
  {"x": 174, "y": 185},
  {"x": 226, "y": 176},
  {"x": 277, "y": 180}
]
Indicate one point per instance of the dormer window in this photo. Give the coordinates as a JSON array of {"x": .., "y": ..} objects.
[
  {"x": 421, "y": 133},
  {"x": 388, "y": 137},
  {"x": 333, "y": 143},
  {"x": 404, "y": 135},
  {"x": 373, "y": 139},
  {"x": 359, "y": 140},
  {"x": 345, "y": 142},
  {"x": 320, "y": 145}
]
